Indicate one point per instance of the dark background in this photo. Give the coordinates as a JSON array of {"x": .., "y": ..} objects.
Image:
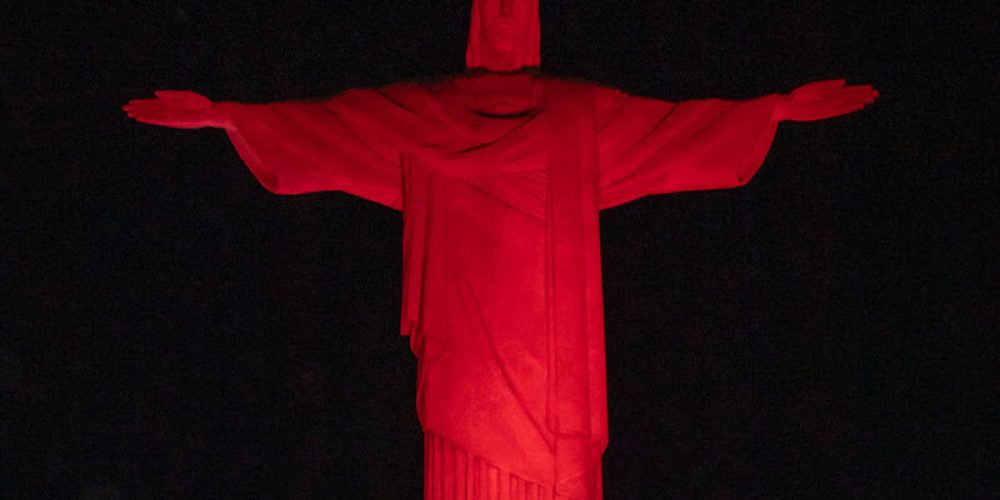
[{"x": 171, "y": 330}]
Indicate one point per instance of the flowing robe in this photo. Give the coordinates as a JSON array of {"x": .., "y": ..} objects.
[{"x": 502, "y": 286}]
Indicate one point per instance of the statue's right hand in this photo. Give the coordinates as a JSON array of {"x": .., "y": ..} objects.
[{"x": 178, "y": 109}]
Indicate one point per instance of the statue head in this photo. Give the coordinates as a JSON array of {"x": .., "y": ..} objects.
[{"x": 505, "y": 35}]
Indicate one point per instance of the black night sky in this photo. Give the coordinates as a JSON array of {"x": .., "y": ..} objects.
[{"x": 169, "y": 329}]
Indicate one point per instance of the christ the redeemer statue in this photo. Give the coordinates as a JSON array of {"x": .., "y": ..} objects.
[{"x": 500, "y": 174}]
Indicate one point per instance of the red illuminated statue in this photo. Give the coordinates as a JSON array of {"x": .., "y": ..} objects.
[{"x": 500, "y": 175}]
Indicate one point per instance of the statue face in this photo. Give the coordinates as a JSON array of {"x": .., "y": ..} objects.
[
  {"x": 504, "y": 28},
  {"x": 504, "y": 35}
]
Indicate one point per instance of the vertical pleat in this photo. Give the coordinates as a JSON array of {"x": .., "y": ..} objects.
[
  {"x": 515, "y": 488},
  {"x": 598, "y": 481},
  {"x": 477, "y": 479},
  {"x": 530, "y": 492},
  {"x": 503, "y": 485},
  {"x": 452, "y": 473},
  {"x": 439, "y": 454},
  {"x": 492, "y": 486},
  {"x": 461, "y": 475},
  {"x": 447, "y": 472},
  {"x": 546, "y": 494},
  {"x": 427, "y": 466},
  {"x": 431, "y": 443}
]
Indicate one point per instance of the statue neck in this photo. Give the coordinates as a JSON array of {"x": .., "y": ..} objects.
[{"x": 502, "y": 94}]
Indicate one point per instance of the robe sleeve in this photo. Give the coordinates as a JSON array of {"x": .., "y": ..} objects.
[
  {"x": 647, "y": 146},
  {"x": 328, "y": 145}
]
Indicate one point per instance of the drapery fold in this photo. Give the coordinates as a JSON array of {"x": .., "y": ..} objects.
[
  {"x": 649, "y": 147},
  {"x": 576, "y": 419}
]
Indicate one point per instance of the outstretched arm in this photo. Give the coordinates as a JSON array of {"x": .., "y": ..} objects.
[
  {"x": 647, "y": 146},
  {"x": 293, "y": 147}
]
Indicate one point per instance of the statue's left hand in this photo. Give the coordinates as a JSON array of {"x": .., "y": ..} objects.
[{"x": 825, "y": 99}]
